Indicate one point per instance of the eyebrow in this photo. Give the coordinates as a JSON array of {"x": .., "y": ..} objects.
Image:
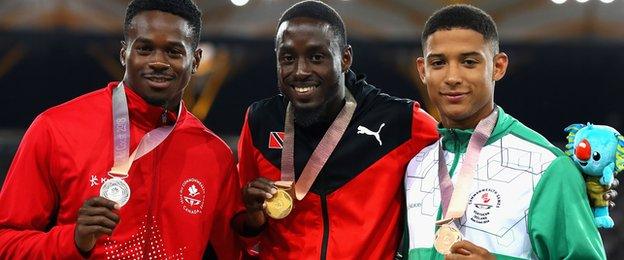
[
  {"x": 436, "y": 55},
  {"x": 472, "y": 53},
  {"x": 173, "y": 43},
  {"x": 311, "y": 47},
  {"x": 465, "y": 54}
]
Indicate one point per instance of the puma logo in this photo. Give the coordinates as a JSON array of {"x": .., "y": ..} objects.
[{"x": 366, "y": 131}]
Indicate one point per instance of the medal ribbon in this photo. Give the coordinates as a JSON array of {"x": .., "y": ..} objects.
[
  {"x": 121, "y": 135},
  {"x": 322, "y": 151},
  {"x": 455, "y": 199}
]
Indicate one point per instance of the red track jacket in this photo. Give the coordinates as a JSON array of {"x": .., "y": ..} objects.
[
  {"x": 64, "y": 158},
  {"x": 353, "y": 208}
]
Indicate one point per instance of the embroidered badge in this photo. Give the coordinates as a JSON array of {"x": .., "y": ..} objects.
[{"x": 192, "y": 194}]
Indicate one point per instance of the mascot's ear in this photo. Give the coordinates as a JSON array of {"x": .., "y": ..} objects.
[
  {"x": 619, "y": 154},
  {"x": 571, "y": 130}
]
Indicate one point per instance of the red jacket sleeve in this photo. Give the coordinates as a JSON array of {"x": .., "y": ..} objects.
[
  {"x": 247, "y": 163},
  {"x": 424, "y": 128},
  {"x": 225, "y": 243},
  {"x": 29, "y": 202},
  {"x": 247, "y": 171}
]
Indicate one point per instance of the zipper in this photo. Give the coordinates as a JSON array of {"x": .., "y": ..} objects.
[
  {"x": 455, "y": 153},
  {"x": 325, "y": 227}
]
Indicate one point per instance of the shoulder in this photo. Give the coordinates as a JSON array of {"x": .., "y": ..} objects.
[
  {"x": 370, "y": 97},
  {"x": 193, "y": 126},
  {"x": 417, "y": 160},
  {"x": 269, "y": 108},
  {"x": 82, "y": 105},
  {"x": 533, "y": 139},
  {"x": 79, "y": 112}
]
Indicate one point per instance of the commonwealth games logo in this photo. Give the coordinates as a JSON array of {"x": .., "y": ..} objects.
[
  {"x": 484, "y": 200},
  {"x": 192, "y": 195}
]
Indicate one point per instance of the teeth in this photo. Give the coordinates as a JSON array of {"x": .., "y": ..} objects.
[
  {"x": 303, "y": 89},
  {"x": 159, "y": 80}
]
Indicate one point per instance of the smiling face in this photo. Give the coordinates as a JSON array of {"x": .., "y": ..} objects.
[
  {"x": 459, "y": 69},
  {"x": 310, "y": 68},
  {"x": 159, "y": 57}
]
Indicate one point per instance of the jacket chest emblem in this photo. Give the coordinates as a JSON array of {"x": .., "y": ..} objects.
[
  {"x": 365, "y": 131},
  {"x": 192, "y": 196}
]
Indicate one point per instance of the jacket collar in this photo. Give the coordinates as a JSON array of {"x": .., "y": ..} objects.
[
  {"x": 143, "y": 114},
  {"x": 456, "y": 140}
]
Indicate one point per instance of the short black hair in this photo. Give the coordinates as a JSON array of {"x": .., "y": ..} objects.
[
  {"x": 320, "y": 11},
  {"x": 465, "y": 17},
  {"x": 186, "y": 9}
]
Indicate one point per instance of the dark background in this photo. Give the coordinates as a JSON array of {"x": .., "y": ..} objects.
[{"x": 566, "y": 61}]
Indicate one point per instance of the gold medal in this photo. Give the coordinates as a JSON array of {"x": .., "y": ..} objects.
[
  {"x": 445, "y": 237},
  {"x": 280, "y": 205}
]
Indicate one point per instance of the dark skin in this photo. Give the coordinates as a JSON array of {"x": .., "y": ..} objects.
[
  {"x": 159, "y": 58},
  {"x": 310, "y": 70},
  {"x": 97, "y": 217},
  {"x": 310, "y": 67}
]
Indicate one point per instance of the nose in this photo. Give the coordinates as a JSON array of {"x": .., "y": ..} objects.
[
  {"x": 159, "y": 66},
  {"x": 583, "y": 150},
  {"x": 303, "y": 69},
  {"x": 159, "y": 61},
  {"x": 453, "y": 77}
]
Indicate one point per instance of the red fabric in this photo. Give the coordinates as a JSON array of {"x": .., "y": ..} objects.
[
  {"x": 65, "y": 156},
  {"x": 364, "y": 214}
]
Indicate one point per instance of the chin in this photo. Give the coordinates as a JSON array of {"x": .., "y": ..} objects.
[
  {"x": 305, "y": 106},
  {"x": 455, "y": 114},
  {"x": 308, "y": 114},
  {"x": 155, "y": 100}
]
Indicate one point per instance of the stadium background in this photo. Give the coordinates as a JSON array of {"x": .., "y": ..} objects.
[{"x": 566, "y": 61}]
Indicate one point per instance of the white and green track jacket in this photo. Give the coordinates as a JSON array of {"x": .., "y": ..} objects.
[{"x": 528, "y": 200}]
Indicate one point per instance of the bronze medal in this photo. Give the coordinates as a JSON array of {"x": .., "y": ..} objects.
[
  {"x": 280, "y": 205},
  {"x": 445, "y": 237}
]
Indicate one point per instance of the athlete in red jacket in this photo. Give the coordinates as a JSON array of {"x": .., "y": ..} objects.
[
  {"x": 352, "y": 210},
  {"x": 182, "y": 194}
]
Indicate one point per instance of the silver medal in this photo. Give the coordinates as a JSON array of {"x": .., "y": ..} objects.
[{"x": 117, "y": 190}]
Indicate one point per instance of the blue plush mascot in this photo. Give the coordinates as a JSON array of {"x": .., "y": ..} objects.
[{"x": 599, "y": 152}]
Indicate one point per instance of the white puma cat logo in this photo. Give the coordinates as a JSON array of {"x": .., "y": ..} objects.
[{"x": 366, "y": 131}]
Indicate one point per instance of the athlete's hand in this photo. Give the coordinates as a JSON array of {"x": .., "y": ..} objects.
[
  {"x": 96, "y": 217},
  {"x": 611, "y": 194},
  {"x": 466, "y": 250},
  {"x": 254, "y": 195}
]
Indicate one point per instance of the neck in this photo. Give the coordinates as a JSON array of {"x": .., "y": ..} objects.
[
  {"x": 470, "y": 122},
  {"x": 460, "y": 124},
  {"x": 335, "y": 105},
  {"x": 171, "y": 106}
]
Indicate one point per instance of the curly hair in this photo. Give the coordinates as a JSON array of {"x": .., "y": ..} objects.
[
  {"x": 319, "y": 11},
  {"x": 186, "y": 9}
]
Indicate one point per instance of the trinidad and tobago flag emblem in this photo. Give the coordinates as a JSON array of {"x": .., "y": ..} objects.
[{"x": 276, "y": 140}]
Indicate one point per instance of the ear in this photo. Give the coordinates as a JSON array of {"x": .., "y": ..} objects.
[
  {"x": 196, "y": 59},
  {"x": 420, "y": 66},
  {"x": 122, "y": 53},
  {"x": 500, "y": 66},
  {"x": 347, "y": 58}
]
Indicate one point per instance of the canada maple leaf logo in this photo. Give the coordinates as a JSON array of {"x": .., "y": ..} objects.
[{"x": 193, "y": 191}]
